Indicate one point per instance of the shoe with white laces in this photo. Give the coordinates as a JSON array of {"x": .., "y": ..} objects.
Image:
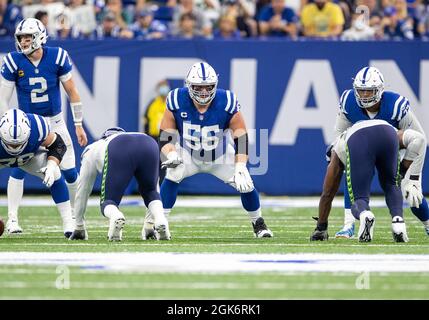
[
  {"x": 116, "y": 225},
  {"x": 12, "y": 226},
  {"x": 399, "y": 230},
  {"x": 366, "y": 227},
  {"x": 347, "y": 232}
]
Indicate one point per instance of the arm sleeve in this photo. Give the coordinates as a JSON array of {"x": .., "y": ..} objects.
[
  {"x": 65, "y": 77},
  {"x": 341, "y": 123},
  {"x": 6, "y": 90},
  {"x": 409, "y": 121},
  {"x": 415, "y": 144},
  {"x": 88, "y": 174}
]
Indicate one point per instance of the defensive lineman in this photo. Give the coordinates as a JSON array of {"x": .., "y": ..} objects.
[
  {"x": 365, "y": 146},
  {"x": 120, "y": 156},
  {"x": 369, "y": 100},
  {"x": 201, "y": 113},
  {"x": 27, "y": 143},
  {"x": 36, "y": 71}
]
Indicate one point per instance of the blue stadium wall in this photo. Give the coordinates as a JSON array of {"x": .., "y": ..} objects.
[{"x": 288, "y": 89}]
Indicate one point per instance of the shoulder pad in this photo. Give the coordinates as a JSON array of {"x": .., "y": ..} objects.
[{"x": 343, "y": 100}]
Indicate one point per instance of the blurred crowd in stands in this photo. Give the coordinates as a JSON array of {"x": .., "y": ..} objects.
[{"x": 222, "y": 19}]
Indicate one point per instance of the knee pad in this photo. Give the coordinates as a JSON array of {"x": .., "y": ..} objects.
[{"x": 70, "y": 175}]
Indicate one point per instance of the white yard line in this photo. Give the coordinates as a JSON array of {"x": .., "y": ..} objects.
[
  {"x": 207, "y": 202},
  {"x": 222, "y": 263}
]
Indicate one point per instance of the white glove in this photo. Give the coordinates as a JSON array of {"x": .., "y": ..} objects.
[
  {"x": 173, "y": 160},
  {"x": 49, "y": 172},
  {"x": 412, "y": 192},
  {"x": 242, "y": 180}
]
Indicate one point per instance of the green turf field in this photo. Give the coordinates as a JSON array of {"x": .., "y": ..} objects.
[{"x": 208, "y": 231}]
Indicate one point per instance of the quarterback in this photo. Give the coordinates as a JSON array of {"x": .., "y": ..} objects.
[{"x": 36, "y": 71}]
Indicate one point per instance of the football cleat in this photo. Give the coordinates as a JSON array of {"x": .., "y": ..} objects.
[
  {"x": 347, "y": 232},
  {"x": 366, "y": 227},
  {"x": 116, "y": 225},
  {"x": 148, "y": 231},
  {"x": 79, "y": 235},
  {"x": 12, "y": 227},
  {"x": 260, "y": 229},
  {"x": 427, "y": 230},
  {"x": 319, "y": 235},
  {"x": 399, "y": 230},
  {"x": 162, "y": 231}
]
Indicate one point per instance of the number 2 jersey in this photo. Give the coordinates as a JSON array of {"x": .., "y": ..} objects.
[
  {"x": 203, "y": 134},
  {"x": 38, "y": 134},
  {"x": 38, "y": 87}
]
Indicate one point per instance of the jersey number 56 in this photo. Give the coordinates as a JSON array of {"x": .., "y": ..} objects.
[{"x": 196, "y": 137}]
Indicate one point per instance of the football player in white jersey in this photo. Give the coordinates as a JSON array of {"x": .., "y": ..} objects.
[
  {"x": 36, "y": 70},
  {"x": 367, "y": 145},
  {"x": 368, "y": 100}
]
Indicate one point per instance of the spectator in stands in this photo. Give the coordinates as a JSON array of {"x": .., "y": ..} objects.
[
  {"x": 422, "y": 22},
  {"x": 394, "y": 28},
  {"x": 210, "y": 8},
  {"x": 277, "y": 20},
  {"x": 187, "y": 29},
  {"x": 42, "y": 16},
  {"x": 147, "y": 28},
  {"x": 360, "y": 30},
  {"x": 243, "y": 11},
  {"x": 81, "y": 17},
  {"x": 227, "y": 29},
  {"x": 202, "y": 23},
  {"x": 110, "y": 29},
  {"x": 322, "y": 19},
  {"x": 10, "y": 16},
  {"x": 123, "y": 18}
]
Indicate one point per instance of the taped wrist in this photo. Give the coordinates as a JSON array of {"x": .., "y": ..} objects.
[
  {"x": 77, "y": 112},
  {"x": 241, "y": 144},
  {"x": 57, "y": 148}
]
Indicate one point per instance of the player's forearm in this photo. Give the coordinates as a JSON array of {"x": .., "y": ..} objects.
[
  {"x": 415, "y": 144},
  {"x": 241, "y": 146},
  {"x": 6, "y": 90},
  {"x": 167, "y": 141},
  {"x": 75, "y": 102}
]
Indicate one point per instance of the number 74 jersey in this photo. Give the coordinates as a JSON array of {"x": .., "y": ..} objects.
[{"x": 38, "y": 87}]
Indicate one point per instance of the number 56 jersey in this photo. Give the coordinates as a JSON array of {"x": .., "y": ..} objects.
[
  {"x": 203, "y": 134},
  {"x": 38, "y": 87},
  {"x": 38, "y": 134}
]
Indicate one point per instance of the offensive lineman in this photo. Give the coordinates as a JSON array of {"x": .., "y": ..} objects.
[
  {"x": 201, "y": 113},
  {"x": 36, "y": 71},
  {"x": 24, "y": 138},
  {"x": 368, "y": 100}
]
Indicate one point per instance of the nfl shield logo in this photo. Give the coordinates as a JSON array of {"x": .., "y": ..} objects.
[{"x": 201, "y": 117}]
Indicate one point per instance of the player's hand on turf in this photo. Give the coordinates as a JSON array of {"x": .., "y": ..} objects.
[
  {"x": 81, "y": 136},
  {"x": 49, "y": 172},
  {"x": 173, "y": 160},
  {"x": 242, "y": 180},
  {"x": 319, "y": 235},
  {"x": 412, "y": 192}
]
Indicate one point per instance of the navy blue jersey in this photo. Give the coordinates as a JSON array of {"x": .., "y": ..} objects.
[
  {"x": 38, "y": 134},
  {"x": 38, "y": 88},
  {"x": 203, "y": 134},
  {"x": 392, "y": 109}
]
